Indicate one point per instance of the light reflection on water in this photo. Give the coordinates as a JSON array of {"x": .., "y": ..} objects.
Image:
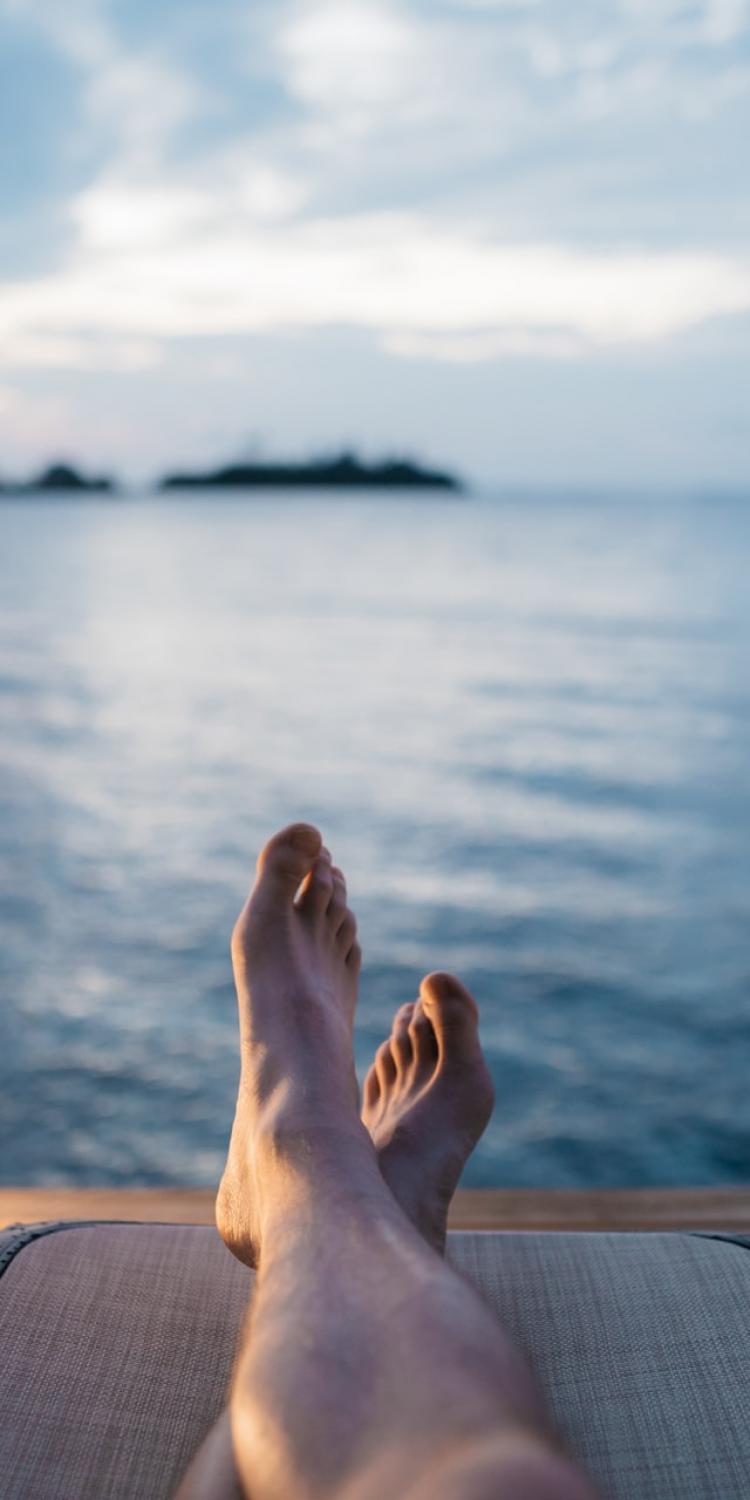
[{"x": 524, "y": 726}]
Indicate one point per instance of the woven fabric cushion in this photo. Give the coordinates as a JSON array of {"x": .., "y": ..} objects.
[{"x": 117, "y": 1341}]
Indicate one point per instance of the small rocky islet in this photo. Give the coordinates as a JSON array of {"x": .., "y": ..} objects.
[
  {"x": 345, "y": 471},
  {"x": 59, "y": 479}
]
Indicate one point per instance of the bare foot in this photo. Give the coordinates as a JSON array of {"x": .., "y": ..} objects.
[
  {"x": 427, "y": 1100},
  {"x": 296, "y": 967}
]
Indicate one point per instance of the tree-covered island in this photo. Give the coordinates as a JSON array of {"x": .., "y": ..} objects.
[{"x": 346, "y": 471}]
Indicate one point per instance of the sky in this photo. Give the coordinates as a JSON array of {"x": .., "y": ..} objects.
[{"x": 511, "y": 236}]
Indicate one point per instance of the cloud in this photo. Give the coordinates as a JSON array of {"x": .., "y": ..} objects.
[
  {"x": 107, "y": 353},
  {"x": 349, "y": 56},
  {"x": 136, "y": 98},
  {"x": 400, "y": 278},
  {"x": 486, "y": 345},
  {"x": 725, "y": 20},
  {"x": 504, "y": 110},
  {"x": 459, "y": 182},
  {"x": 21, "y": 420}
]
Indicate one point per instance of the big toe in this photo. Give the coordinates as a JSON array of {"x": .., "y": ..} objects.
[
  {"x": 453, "y": 1014},
  {"x": 286, "y": 860}
]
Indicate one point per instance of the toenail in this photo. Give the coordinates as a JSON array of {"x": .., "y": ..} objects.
[{"x": 303, "y": 836}]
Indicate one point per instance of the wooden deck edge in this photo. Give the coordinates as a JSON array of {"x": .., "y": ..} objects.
[{"x": 473, "y": 1208}]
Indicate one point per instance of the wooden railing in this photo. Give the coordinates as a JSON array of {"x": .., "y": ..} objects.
[{"x": 490, "y": 1208}]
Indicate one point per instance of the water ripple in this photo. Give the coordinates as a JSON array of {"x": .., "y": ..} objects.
[{"x": 525, "y": 728}]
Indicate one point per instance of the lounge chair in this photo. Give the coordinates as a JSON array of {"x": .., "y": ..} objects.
[{"x": 116, "y": 1345}]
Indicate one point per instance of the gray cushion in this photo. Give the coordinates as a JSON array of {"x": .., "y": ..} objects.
[
  {"x": 116, "y": 1346},
  {"x": 641, "y": 1343}
]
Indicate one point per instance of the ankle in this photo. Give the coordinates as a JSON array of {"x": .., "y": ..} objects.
[
  {"x": 304, "y": 1175},
  {"x": 292, "y": 1123},
  {"x": 289, "y": 1144}
]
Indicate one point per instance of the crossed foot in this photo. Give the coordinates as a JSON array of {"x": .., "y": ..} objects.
[{"x": 427, "y": 1097}]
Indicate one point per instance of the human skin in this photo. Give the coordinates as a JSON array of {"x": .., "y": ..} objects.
[{"x": 368, "y": 1366}]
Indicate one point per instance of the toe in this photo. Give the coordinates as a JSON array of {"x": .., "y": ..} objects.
[
  {"x": 401, "y": 1046},
  {"x": 347, "y": 933},
  {"x": 282, "y": 866},
  {"x": 385, "y": 1066},
  {"x": 337, "y": 911},
  {"x": 452, "y": 1013},
  {"x": 423, "y": 1039},
  {"x": 371, "y": 1091},
  {"x": 286, "y": 860},
  {"x": 354, "y": 958},
  {"x": 317, "y": 889}
]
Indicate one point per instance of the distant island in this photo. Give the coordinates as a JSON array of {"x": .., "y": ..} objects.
[
  {"x": 343, "y": 471},
  {"x": 59, "y": 477},
  {"x": 346, "y": 471}
]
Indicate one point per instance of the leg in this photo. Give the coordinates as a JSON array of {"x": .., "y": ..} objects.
[
  {"x": 427, "y": 1099},
  {"x": 368, "y": 1366}
]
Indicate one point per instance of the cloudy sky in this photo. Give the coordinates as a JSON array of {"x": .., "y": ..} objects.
[{"x": 510, "y": 235}]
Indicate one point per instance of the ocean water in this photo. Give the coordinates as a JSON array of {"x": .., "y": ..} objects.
[{"x": 523, "y": 723}]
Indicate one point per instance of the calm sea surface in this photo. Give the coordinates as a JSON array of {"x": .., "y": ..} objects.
[{"x": 523, "y": 724}]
